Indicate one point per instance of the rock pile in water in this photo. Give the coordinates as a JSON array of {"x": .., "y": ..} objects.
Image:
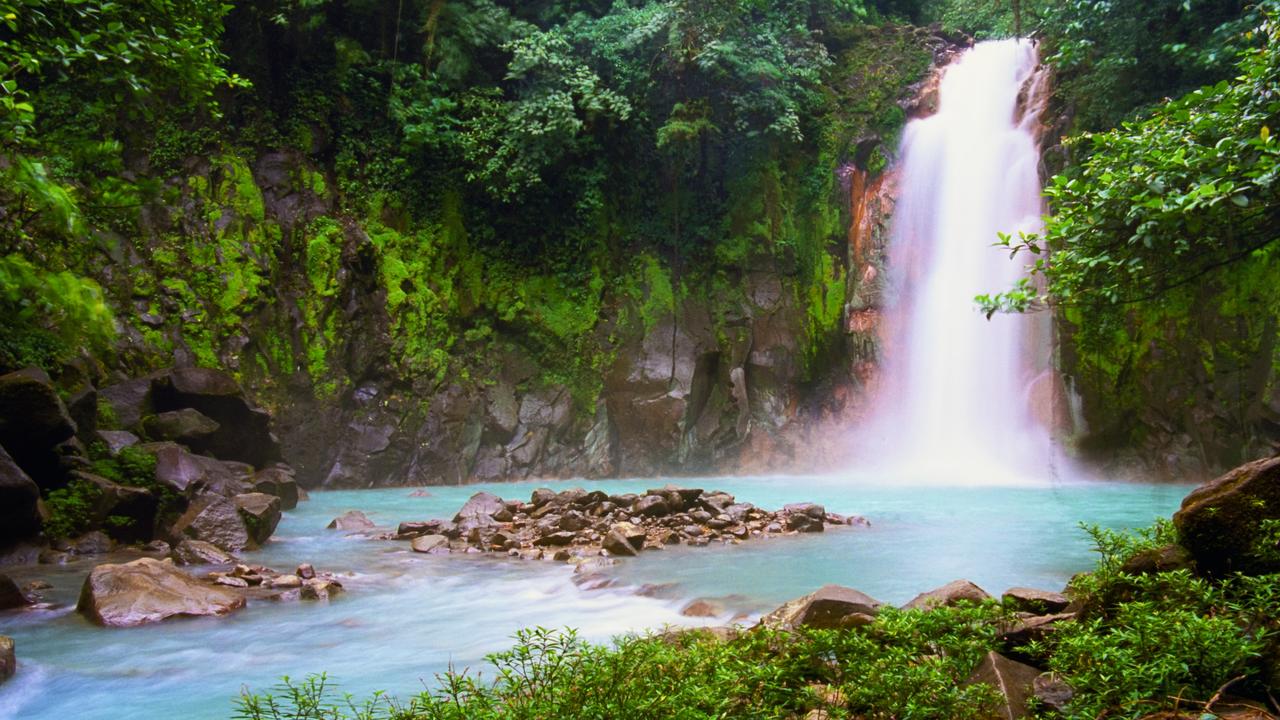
[{"x": 576, "y": 524}]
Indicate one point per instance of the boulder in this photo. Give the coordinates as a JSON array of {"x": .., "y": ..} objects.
[
  {"x": 150, "y": 590},
  {"x": 624, "y": 539},
  {"x": 192, "y": 475},
  {"x": 116, "y": 440},
  {"x": 351, "y": 520},
  {"x": 214, "y": 519},
  {"x": 702, "y": 608},
  {"x": 1040, "y": 602},
  {"x": 94, "y": 542},
  {"x": 482, "y": 504},
  {"x": 1027, "y": 630},
  {"x": 128, "y": 514},
  {"x": 1011, "y": 679},
  {"x": 8, "y": 658},
  {"x": 1052, "y": 692},
  {"x": 19, "y": 502},
  {"x": 261, "y": 515},
  {"x": 10, "y": 595},
  {"x": 1157, "y": 560},
  {"x": 278, "y": 480},
  {"x": 320, "y": 588},
  {"x": 429, "y": 543},
  {"x": 831, "y": 606},
  {"x": 128, "y": 401},
  {"x": 33, "y": 422},
  {"x": 244, "y": 432},
  {"x": 651, "y": 506},
  {"x": 804, "y": 517},
  {"x": 187, "y": 426},
  {"x": 199, "y": 552},
  {"x": 82, "y": 406},
  {"x": 541, "y": 497},
  {"x": 1220, "y": 522},
  {"x": 948, "y": 595}
]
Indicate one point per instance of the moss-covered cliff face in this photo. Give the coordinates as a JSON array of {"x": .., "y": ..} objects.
[{"x": 398, "y": 340}]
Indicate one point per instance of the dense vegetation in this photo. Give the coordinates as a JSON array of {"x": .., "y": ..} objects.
[
  {"x": 1143, "y": 642},
  {"x": 511, "y": 172}
]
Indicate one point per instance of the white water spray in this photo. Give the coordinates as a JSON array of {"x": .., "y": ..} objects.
[{"x": 953, "y": 403}]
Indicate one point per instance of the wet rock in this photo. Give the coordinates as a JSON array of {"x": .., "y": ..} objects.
[
  {"x": 231, "y": 581},
  {"x": 1052, "y": 692},
  {"x": 351, "y": 520},
  {"x": 430, "y": 543},
  {"x": 1040, "y": 602},
  {"x": 804, "y": 517},
  {"x": 305, "y": 571},
  {"x": 831, "y": 606},
  {"x": 127, "y": 513},
  {"x": 1221, "y": 522},
  {"x": 129, "y": 401},
  {"x": 948, "y": 595},
  {"x": 479, "y": 510},
  {"x": 149, "y": 590},
  {"x": 541, "y": 497},
  {"x": 286, "y": 582},
  {"x": 1011, "y": 679},
  {"x": 19, "y": 502},
  {"x": 278, "y": 480},
  {"x": 193, "y": 475},
  {"x": 244, "y": 432},
  {"x": 199, "y": 552},
  {"x": 555, "y": 539},
  {"x": 94, "y": 542},
  {"x": 1026, "y": 630},
  {"x": 116, "y": 440},
  {"x": 624, "y": 539},
  {"x": 260, "y": 513},
  {"x": 33, "y": 423},
  {"x": 187, "y": 426},
  {"x": 157, "y": 547},
  {"x": 651, "y": 506},
  {"x": 214, "y": 519},
  {"x": 702, "y": 608},
  {"x": 8, "y": 658},
  {"x": 10, "y": 596},
  {"x": 320, "y": 588},
  {"x": 1157, "y": 560}
]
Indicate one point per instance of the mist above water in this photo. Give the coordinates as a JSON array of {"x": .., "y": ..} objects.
[{"x": 952, "y": 403}]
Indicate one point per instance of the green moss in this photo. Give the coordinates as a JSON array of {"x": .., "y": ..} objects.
[{"x": 71, "y": 509}]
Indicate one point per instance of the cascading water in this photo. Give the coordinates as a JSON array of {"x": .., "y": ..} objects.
[{"x": 953, "y": 401}]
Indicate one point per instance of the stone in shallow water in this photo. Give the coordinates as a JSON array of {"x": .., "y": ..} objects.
[
  {"x": 429, "y": 543},
  {"x": 149, "y": 590},
  {"x": 351, "y": 520},
  {"x": 8, "y": 659},
  {"x": 199, "y": 552}
]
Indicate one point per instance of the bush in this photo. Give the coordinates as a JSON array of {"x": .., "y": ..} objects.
[{"x": 70, "y": 509}]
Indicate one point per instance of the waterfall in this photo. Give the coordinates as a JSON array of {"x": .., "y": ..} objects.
[{"x": 952, "y": 402}]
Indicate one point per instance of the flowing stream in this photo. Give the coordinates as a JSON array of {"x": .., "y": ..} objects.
[
  {"x": 955, "y": 388},
  {"x": 953, "y": 401}
]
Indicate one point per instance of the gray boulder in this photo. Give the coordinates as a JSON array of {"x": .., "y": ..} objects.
[
  {"x": 133, "y": 509},
  {"x": 278, "y": 480},
  {"x": 1013, "y": 681},
  {"x": 199, "y": 552},
  {"x": 831, "y": 606},
  {"x": 187, "y": 426},
  {"x": 19, "y": 503},
  {"x": 214, "y": 519},
  {"x": 244, "y": 432},
  {"x": 116, "y": 440},
  {"x": 149, "y": 590},
  {"x": 194, "y": 475},
  {"x": 260, "y": 513},
  {"x": 351, "y": 520},
  {"x": 129, "y": 401},
  {"x": 430, "y": 543},
  {"x": 1040, "y": 602},
  {"x": 624, "y": 539},
  {"x": 11, "y": 596},
  {"x": 33, "y": 423},
  {"x": 948, "y": 595},
  {"x": 1221, "y": 522}
]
